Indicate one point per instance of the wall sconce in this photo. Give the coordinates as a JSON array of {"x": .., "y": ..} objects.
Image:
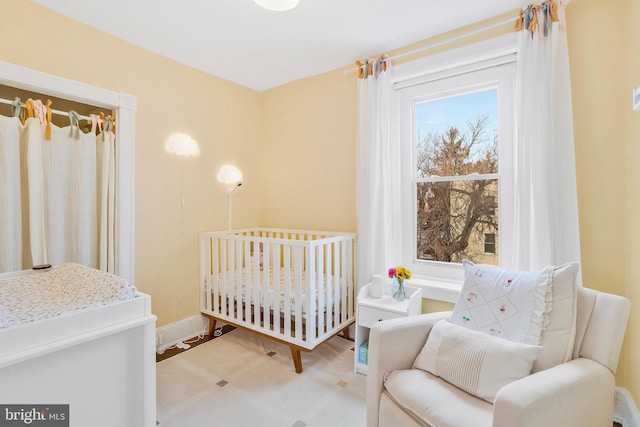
[
  {"x": 231, "y": 177},
  {"x": 182, "y": 145}
]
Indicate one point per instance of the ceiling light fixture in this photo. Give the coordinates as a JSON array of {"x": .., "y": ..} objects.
[{"x": 277, "y": 5}]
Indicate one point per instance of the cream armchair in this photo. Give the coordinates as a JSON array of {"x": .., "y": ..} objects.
[{"x": 577, "y": 393}]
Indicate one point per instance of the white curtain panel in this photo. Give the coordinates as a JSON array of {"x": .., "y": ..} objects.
[
  {"x": 546, "y": 207},
  {"x": 10, "y": 196},
  {"x": 378, "y": 175},
  {"x": 57, "y": 197}
]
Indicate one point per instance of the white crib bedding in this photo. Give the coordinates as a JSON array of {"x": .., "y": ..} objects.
[
  {"x": 322, "y": 300},
  {"x": 63, "y": 289}
]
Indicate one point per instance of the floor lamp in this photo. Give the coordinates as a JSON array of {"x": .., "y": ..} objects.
[{"x": 231, "y": 177}]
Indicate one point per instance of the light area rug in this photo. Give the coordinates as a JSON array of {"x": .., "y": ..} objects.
[{"x": 242, "y": 379}]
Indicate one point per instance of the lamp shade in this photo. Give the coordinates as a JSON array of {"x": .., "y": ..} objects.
[
  {"x": 230, "y": 176},
  {"x": 183, "y": 145},
  {"x": 277, "y": 5}
]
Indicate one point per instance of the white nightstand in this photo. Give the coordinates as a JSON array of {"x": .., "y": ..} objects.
[{"x": 372, "y": 310}]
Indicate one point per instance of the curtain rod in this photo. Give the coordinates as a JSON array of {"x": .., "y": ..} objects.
[
  {"x": 442, "y": 42},
  {"x": 61, "y": 113}
]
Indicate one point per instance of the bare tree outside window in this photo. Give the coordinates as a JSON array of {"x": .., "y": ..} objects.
[{"x": 457, "y": 192}]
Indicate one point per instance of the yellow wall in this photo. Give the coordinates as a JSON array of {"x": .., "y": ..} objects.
[
  {"x": 308, "y": 154},
  {"x": 296, "y": 146},
  {"x": 632, "y": 231},
  {"x": 221, "y": 116}
]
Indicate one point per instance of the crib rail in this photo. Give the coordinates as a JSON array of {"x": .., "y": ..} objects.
[{"x": 294, "y": 285}]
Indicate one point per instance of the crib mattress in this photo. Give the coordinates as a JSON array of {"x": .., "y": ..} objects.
[
  {"x": 63, "y": 289},
  {"x": 228, "y": 285}
]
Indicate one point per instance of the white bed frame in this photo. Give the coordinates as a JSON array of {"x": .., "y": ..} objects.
[
  {"x": 100, "y": 361},
  {"x": 317, "y": 264}
]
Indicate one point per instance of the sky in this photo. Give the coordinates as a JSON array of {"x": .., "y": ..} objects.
[{"x": 441, "y": 114}]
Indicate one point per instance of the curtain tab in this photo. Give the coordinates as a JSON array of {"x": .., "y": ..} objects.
[
  {"x": 533, "y": 23},
  {"x": 17, "y": 109},
  {"x": 74, "y": 125},
  {"x": 94, "y": 121},
  {"x": 47, "y": 132},
  {"x": 28, "y": 109},
  {"x": 360, "y": 66},
  {"x": 519, "y": 25},
  {"x": 553, "y": 11}
]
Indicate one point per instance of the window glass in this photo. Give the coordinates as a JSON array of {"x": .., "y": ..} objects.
[{"x": 456, "y": 160}]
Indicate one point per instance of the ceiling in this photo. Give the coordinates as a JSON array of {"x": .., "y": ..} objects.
[{"x": 241, "y": 42}]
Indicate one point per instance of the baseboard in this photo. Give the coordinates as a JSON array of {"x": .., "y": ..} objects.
[
  {"x": 180, "y": 331},
  {"x": 625, "y": 411}
]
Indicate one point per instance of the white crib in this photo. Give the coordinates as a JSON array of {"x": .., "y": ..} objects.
[{"x": 293, "y": 286}]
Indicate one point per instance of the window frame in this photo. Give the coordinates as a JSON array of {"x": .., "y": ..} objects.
[{"x": 468, "y": 69}]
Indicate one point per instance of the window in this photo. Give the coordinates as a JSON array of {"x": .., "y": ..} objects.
[
  {"x": 490, "y": 243},
  {"x": 456, "y": 182},
  {"x": 458, "y": 127}
]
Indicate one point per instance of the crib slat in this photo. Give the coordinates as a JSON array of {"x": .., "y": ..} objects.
[
  {"x": 322, "y": 299},
  {"x": 273, "y": 289},
  {"x": 297, "y": 265},
  {"x": 343, "y": 285},
  {"x": 257, "y": 264},
  {"x": 249, "y": 282},
  {"x": 225, "y": 275},
  {"x": 313, "y": 309},
  {"x": 238, "y": 286},
  {"x": 214, "y": 272},
  {"x": 287, "y": 290}
]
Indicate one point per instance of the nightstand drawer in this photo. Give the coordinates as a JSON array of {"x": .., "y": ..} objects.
[{"x": 368, "y": 316}]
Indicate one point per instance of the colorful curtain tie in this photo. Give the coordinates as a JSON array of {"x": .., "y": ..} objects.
[
  {"x": 74, "y": 125},
  {"x": 17, "y": 109},
  {"x": 94, "y": 121},
  {"x": 48, "y": 113}
]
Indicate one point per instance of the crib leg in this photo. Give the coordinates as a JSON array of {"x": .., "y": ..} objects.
[
  {"x": 212, "y": 326},
  {"x": 345, "y": 332},
  {"x": 297, "y": 359}
]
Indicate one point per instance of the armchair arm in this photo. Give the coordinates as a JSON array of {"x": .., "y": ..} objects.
[
  {"x": 577, "y": 393},
  {"x": 394, "y": 344}
]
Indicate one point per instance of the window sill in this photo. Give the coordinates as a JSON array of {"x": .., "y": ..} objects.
[{"x": 437, "y": 289}]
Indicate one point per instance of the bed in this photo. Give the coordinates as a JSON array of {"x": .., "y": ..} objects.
[
  {"x": 76, "y": 336},
  {"x": 293, "y": 286}
]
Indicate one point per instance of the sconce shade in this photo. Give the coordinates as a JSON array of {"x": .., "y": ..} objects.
[
  {"x": 230, "y": 176},
  {"x": 183, "y": 145},
  {"x": 277, "y": 5}
]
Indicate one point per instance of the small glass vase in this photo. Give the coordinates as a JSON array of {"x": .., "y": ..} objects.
[{"x": 398, "y": 291}]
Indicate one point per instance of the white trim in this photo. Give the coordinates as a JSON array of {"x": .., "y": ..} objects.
[
  {"x": 124, "y": 107},
  {"x": 173, "y": 333},
  {"x": 438, "y": 290},
  {"x": 489, "y": 58},
  {"x": 466, "y": 59},
  {"x": 625, "y": 410}
]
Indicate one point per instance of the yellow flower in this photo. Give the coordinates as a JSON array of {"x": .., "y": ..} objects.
[{"x": 400, "y": 272}]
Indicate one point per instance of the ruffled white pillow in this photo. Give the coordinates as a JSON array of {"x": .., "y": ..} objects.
[{"x": 505, "y": 303}]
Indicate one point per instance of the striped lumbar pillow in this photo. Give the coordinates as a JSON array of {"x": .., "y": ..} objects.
[{"x": 474, "y": 361}]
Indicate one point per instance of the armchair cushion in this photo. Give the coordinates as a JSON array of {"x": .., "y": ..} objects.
[
  {"x": 433, "y": 401},
  {"x": 474, "y": 361}
]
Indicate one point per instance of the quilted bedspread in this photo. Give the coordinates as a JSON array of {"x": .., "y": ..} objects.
[{"x": 63, "y": 289}]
